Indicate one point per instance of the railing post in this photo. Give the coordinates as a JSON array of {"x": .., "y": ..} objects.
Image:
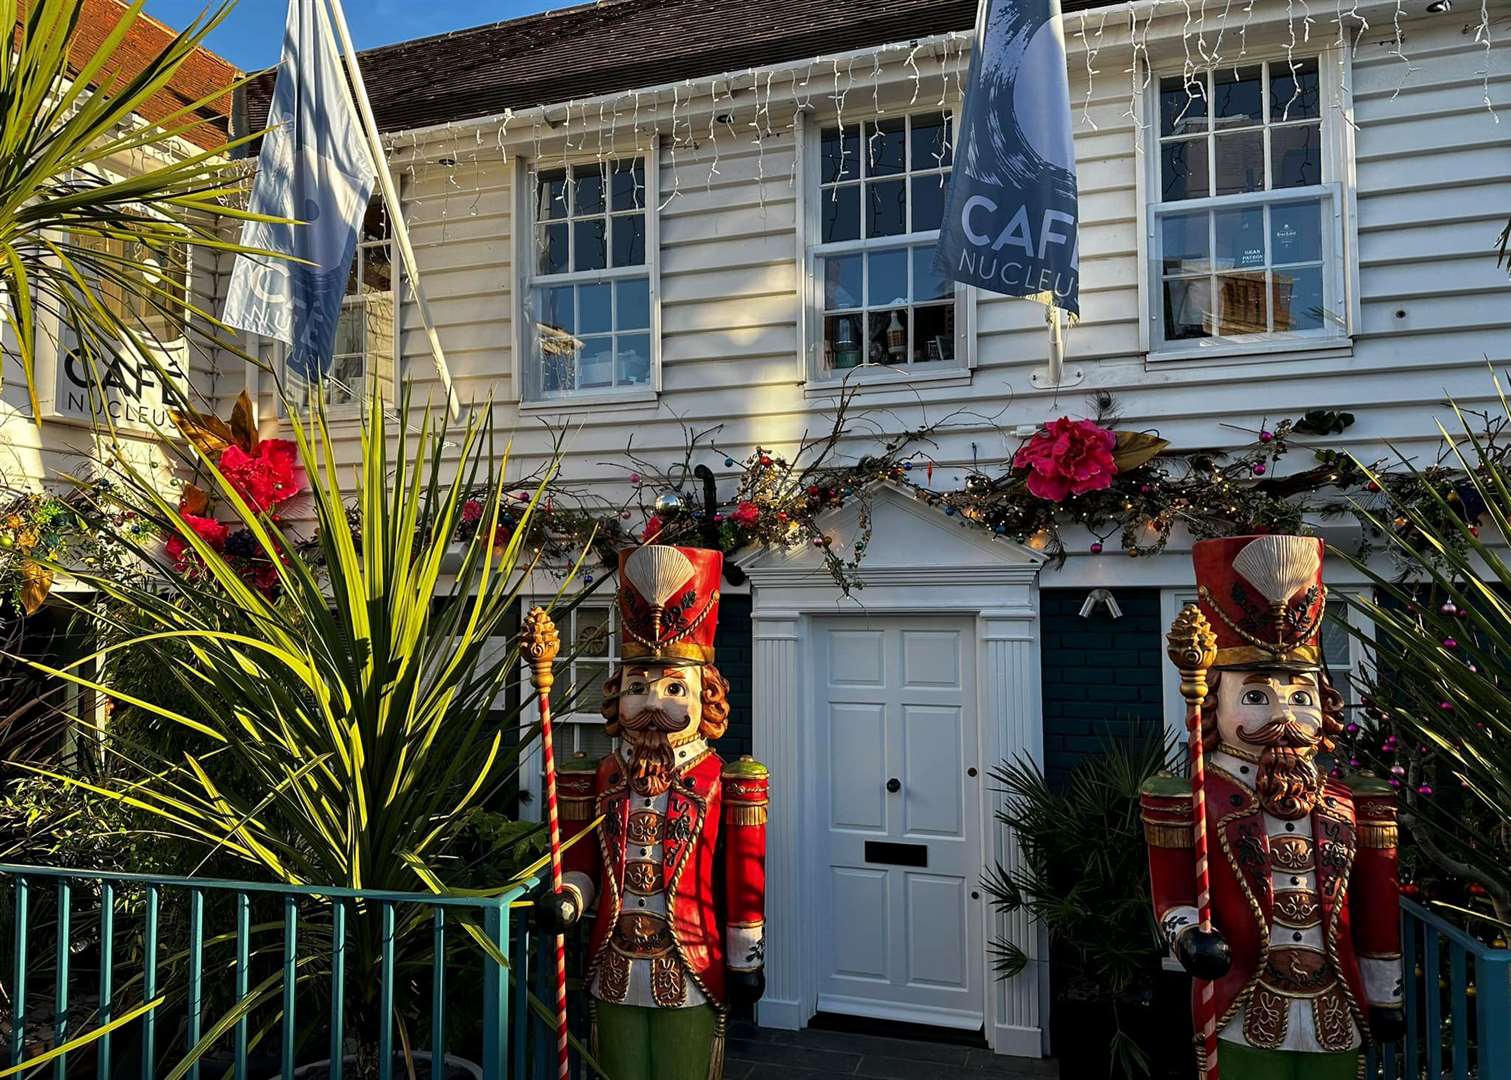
[
  {"x": 149, "y": 982},
  {"x": 1492, "y": 980},
  {"x": 290, "y": 957},
  {"x": 107, "y": 973},
  {"x": 338, "y": 987},
  {"x": 496, "y": 993},
  {"x": 385, "y": 996},
  {"x": 243, "y": 977},
  {"x": 60, "y": 991},
  {"x": 195, "y": 1004},
  {"x": 438, "y": 993},
  {"x": 18, "y": 982}
]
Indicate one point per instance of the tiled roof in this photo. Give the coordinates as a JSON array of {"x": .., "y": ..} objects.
[
  {"x": 201, "y": 74},
  {"x": 599, "y": 48}
]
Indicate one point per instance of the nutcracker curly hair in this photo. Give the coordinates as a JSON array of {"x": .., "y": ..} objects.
[{"x": 714, "y": 696}]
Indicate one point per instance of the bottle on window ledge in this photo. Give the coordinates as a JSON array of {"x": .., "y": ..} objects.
[{"x": 897, "y": 340}]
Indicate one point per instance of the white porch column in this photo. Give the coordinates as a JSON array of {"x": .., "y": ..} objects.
[
  {"x": 777, "y": 734},
  {"x": 1014, "y": 726}
]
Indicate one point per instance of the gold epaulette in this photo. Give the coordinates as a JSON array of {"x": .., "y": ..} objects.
[{"x": 745, "y": 798}]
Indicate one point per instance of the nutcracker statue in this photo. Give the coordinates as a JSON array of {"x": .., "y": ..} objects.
[
  {"x": 678, "y": 866},
  {"x": 1274, "y": 885}
]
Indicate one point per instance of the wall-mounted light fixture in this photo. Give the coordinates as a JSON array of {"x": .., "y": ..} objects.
[{"x": 1097, "y": 597}]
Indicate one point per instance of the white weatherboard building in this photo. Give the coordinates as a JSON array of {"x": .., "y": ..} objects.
[{"x": 642, "y": 216}]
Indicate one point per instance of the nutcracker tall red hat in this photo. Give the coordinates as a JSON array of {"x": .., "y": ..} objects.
[
  {"x": 1264, "y": 598},
  {"x": 669, "y": 603}
]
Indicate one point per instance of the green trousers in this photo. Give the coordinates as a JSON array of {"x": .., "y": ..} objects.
[
  {"x": 637, "y": 1043},
  {"x": 1238, "y": 1062}
]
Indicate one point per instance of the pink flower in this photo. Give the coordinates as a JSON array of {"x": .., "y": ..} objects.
[
  {"x": 746, "y": 515},
  {"x": 472, "y": 510},
  {"x": 270, "y": 476},
  {"x": 1068, "y": 457},
  {"x": 208, "y": 529}
]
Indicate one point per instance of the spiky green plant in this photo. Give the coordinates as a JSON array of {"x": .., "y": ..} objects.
[
  {"x": 348, "y": 724},
  {"x": 1440, "y": 653},
  {"x": 73, "y": 230}
]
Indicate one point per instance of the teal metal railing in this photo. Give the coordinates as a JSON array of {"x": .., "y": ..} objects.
[
  {"x": 1457, "y": 997},
  {"x": 75, "y": 933}
]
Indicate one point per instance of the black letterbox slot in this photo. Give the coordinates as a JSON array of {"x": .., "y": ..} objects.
[{"x": 881, "y": 851}]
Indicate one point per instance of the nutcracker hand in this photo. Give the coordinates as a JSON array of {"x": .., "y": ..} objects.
[
  {"x": 1386, "y": 1023},
  {"x": 745, "y": 987},
  {"x": 557, "y": 912},
  {"x": 1204, "y": 954}
]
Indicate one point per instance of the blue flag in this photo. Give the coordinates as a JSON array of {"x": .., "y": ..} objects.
[
  {"x": 1010, "y": 222},
  {"x": 315, "y": 168}
]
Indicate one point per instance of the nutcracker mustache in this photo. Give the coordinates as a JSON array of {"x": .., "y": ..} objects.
[
  {"x": 1289, "y": 782},
  {"x": 653, "y": 761}
]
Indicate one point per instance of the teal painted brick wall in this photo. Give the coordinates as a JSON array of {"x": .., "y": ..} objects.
[{"x": 1102, "y": 676}]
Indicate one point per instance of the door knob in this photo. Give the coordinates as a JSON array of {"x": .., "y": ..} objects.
[{"x": 894, "y": 785}]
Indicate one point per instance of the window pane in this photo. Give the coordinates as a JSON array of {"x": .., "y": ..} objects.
[
  {"x": 885, "y": 151},
  {"x": 1293, "y": 96},
  {"x": 887, "y": 333},
  {"x": 592, "y": 633},
  {"x": 593, "y": 741},
  {"x": 377, "y": 272},
  {"x": 629, "y": 239},
  {"x": 587, "y": 688},
  {"x": 551, "y": 195},
  {"x": 934, "y": 334},
  {"x": 595, "y": 364},
  {"x": 1185, "y": 243},
  {"x": 628, "y": 183},
  {"x": 1240, "y": 163},
  {"x": 1296, "y": 232},
  {"x": 887, "y": 277},
  {"x": 840, "y": 156},
  {"x": 928, "y": 201},
  {"x": 556, "y": 308},
  {"x": 1297, "y": 155},
  {"x": 349, "y": 328},
  {"x": 842, "y": 282},
  {"x": 634, "y": 359},
  {"x": 1240, "y": 238},
  {"x": 841, "y": 213},
  {"x": 556, "y": 365},
  {"x": 375, "y": 221},
  {"x": 1236, "y": 97},
  {"x": 1241, "y": 304},
  {"x": 1298, "y": 299},
  {"x": 345, "y": 382},
  {"x": 590, "y": 249},
  {"x": 842, "y": 341},
  {"x": 551, "y": 256},
  {"x": 886, "y": 206},
  {"x": 594, "y": 313},
  {"x": 1183, "y": 169},
  {"x": 1182, "y": 109},
  {"x": 379, "y": 329},
  {"x": 932, "y": 147},
  {"x": 587, "y": 190},
  {"x": 1186, "y": 308},
  {"x": 927, "y": 282},
  {"x": 634, "y": 311}
]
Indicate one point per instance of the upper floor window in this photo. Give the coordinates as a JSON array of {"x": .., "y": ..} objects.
[
  {"x": 878, "y": 202},
  {"x": 366, "y": 334},
  {"x": 143, "y": 286},
  {"x": 590, "y": 285},
  {"x": 1246, "y": 224}
]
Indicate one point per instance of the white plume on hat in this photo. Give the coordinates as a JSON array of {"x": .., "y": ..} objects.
[
  {"x": 657, "y": 571},
  {"x": 1279, "y": 565}
]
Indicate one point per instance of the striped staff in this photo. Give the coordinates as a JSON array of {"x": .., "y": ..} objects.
[
  {"x": 1193, "y": 648},
  {"x": 541, "y": 644}
]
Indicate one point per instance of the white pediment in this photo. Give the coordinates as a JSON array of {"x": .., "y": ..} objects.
[{"x": 908, "y": 539}]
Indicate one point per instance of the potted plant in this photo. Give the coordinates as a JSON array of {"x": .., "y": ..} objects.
[{"x": 1084, "y": 878}]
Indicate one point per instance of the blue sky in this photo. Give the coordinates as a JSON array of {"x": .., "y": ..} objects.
[{"x": 250, "y": 37}]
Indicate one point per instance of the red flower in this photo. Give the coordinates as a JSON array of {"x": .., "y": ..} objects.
[
  {"x": 472, "y": 510},
  {"x": 746, "y": 515},
  {"x": 265, "y": 479},
  {"x": 1068, "y": 457},
  {"x": 209, "y": 530},
  {"x": 653, "y": 526}
]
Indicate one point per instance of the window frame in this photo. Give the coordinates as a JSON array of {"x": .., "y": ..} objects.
[
  {"x": 811, "y": 248},
  {"x": 1336, "y": 192},
  {"x": 523, "y": 225}
]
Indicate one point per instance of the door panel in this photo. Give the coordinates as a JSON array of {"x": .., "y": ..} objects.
[{"x": 895, "y": 708}]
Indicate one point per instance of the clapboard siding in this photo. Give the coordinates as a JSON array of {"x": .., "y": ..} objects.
[{"x": 1432, "y": 175}]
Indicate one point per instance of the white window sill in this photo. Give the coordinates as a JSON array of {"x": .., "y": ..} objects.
[
  {"x": 638, "y": 397},
  {"x": 880, "y": 378},
  {"x": 1259, "y": 350}
]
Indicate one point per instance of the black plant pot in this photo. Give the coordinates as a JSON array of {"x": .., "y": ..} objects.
[{"x": 1083, "y": 1030}]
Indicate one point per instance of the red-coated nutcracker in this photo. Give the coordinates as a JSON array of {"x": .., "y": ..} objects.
[
  {"x": 1297, "y": 964},
  {"x": 678, "y": 870}
]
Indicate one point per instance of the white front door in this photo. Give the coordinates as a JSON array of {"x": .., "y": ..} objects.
[{"x": 899, "y": 820}]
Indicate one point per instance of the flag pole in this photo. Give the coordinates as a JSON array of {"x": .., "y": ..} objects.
[{"x": 391, "y": 199}]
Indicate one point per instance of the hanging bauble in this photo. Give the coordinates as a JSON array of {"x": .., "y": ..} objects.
[{"x": 669, "y": 502}]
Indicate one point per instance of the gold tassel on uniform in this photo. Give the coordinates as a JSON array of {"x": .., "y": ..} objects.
[{"x": 716, "y": 1048}]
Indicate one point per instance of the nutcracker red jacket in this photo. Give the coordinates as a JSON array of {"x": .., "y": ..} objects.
[
  {"x": 1356, "y": 880},
  {"x": 710, "y": 886}
]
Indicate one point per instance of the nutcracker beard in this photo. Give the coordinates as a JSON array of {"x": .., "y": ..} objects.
[
  {"x": 653, "y": 762},
  {"x": 1289, "y": 782}
]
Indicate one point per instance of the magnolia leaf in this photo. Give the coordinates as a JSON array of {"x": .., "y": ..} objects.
[
  {"x": 194, "y": 500},
  {"x": 210, "y": 434},
  {"x": 1134, "y": 448},
  {"x": 243, "y": 426},
  {"x": 35, "y": 585}
]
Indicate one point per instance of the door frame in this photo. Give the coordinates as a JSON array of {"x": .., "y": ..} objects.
[{"x": 995, "y": 584}]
